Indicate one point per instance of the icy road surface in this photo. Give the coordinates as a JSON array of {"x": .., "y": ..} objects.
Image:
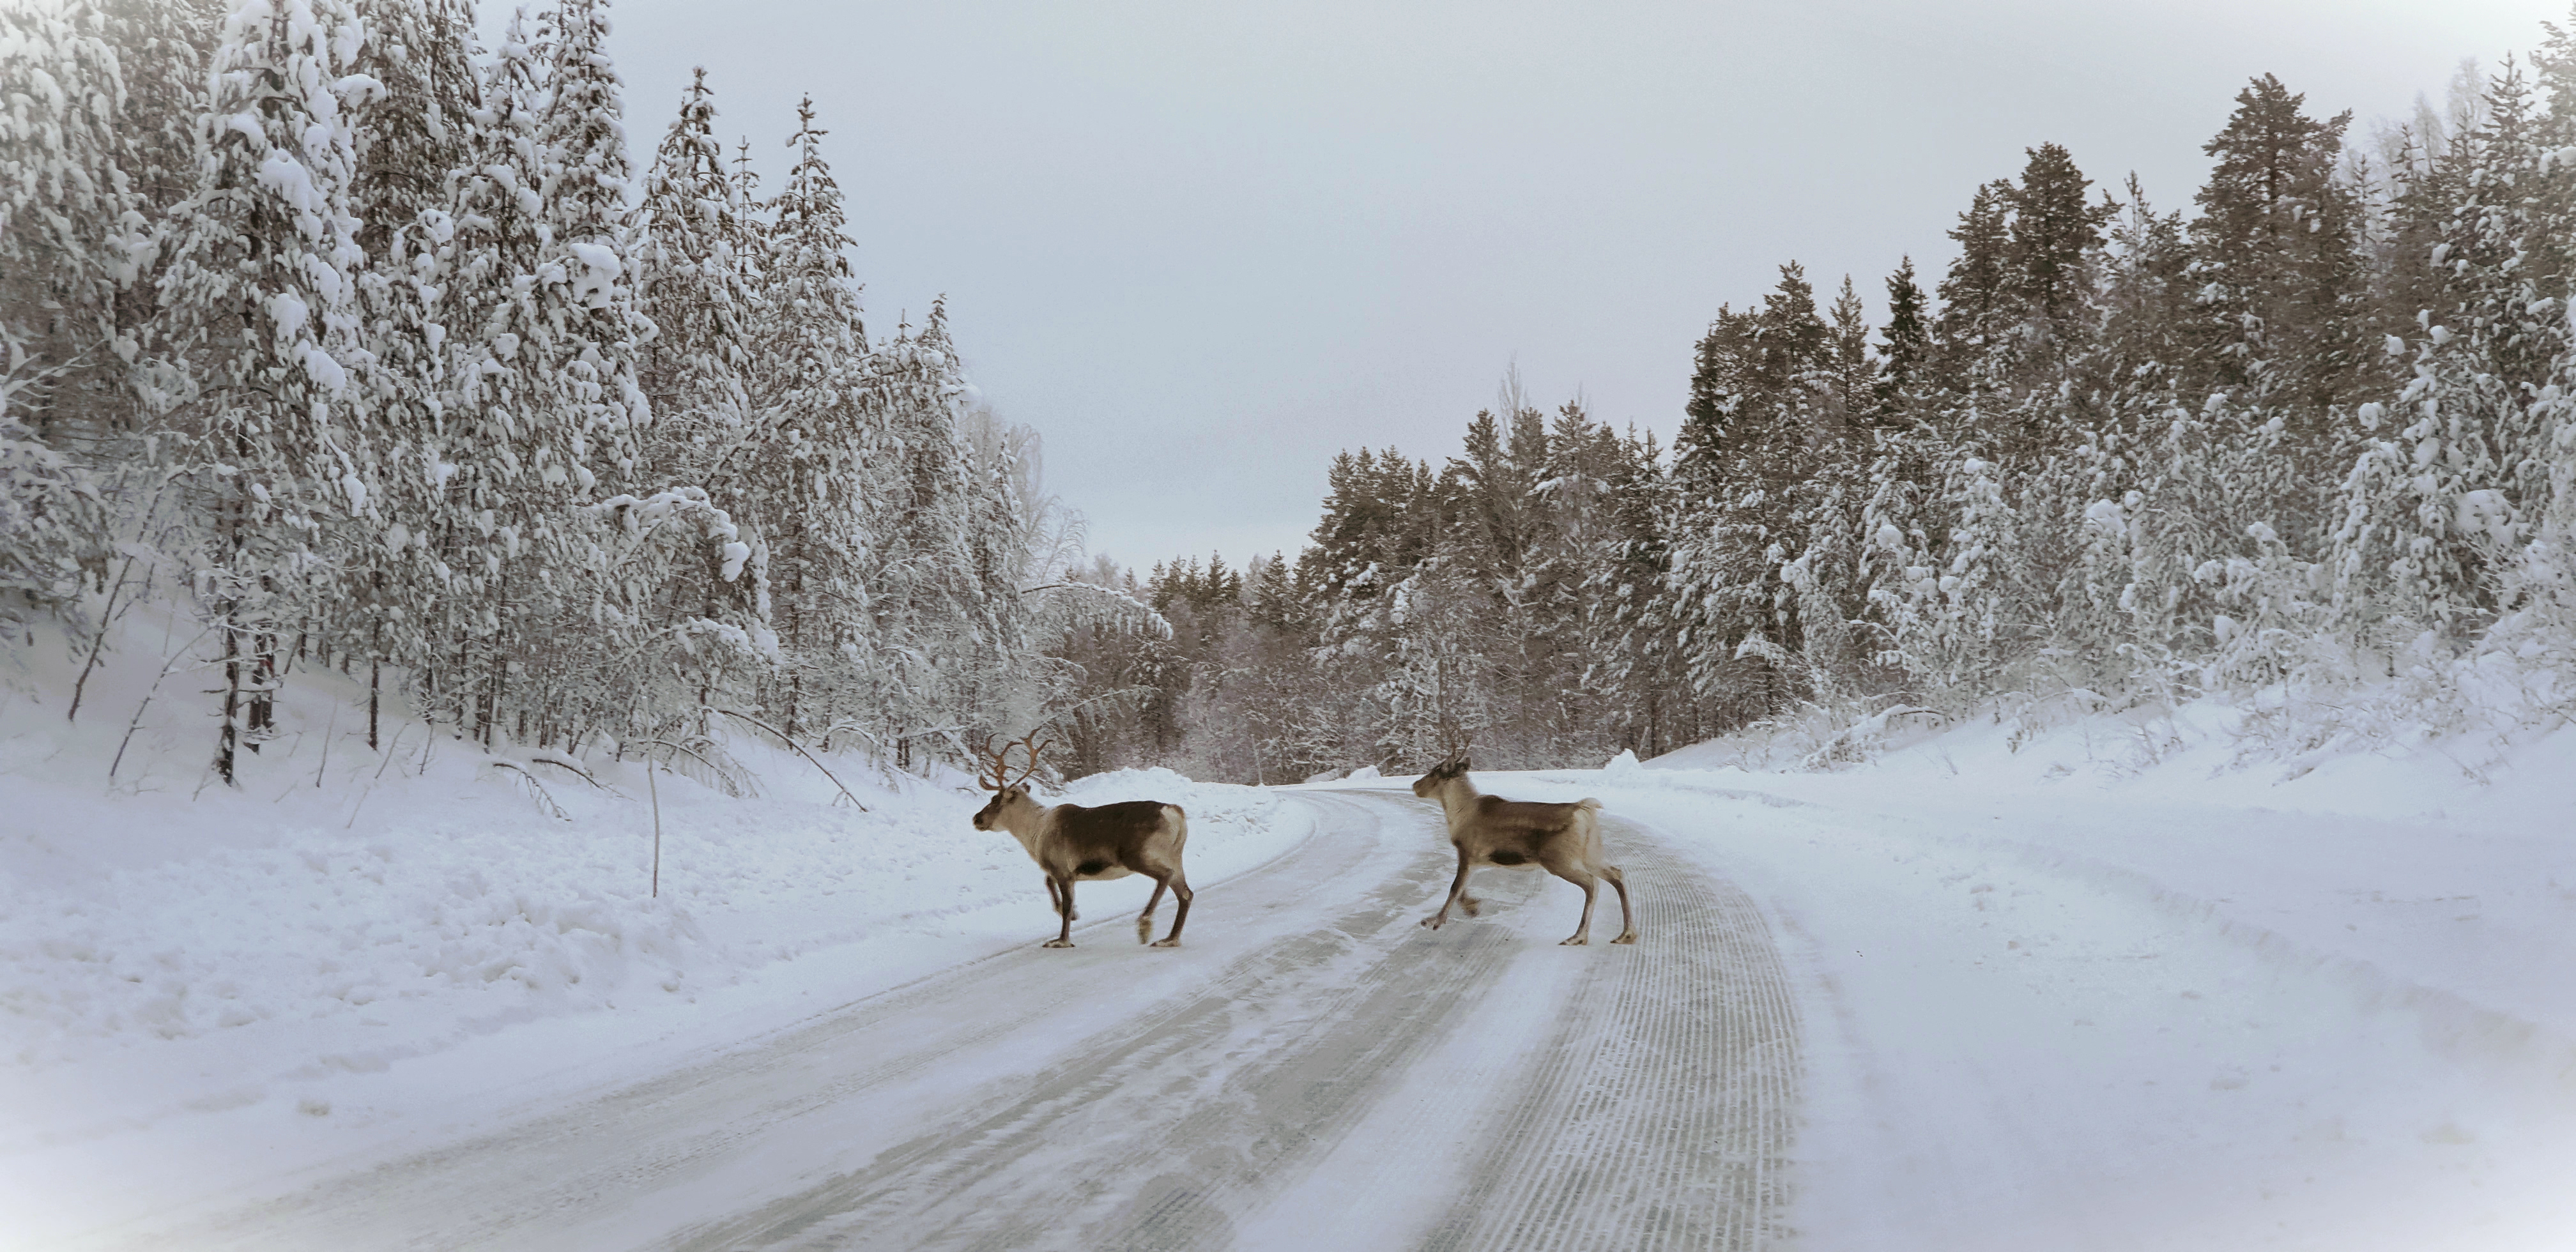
[{"x": 1313, "y": 1070}]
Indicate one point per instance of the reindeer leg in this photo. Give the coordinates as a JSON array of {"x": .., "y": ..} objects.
[
  {"x": 1180, "y": 916},
  {"x": 1591, "y": 888},
  {"x": 1055, "y": 899},
  {"x": 1064, "y": 933},
  {"x": 1627, "y": 921},
  {"x": 1145, "y": 920},
  {"x": 1457, "y": 888}
]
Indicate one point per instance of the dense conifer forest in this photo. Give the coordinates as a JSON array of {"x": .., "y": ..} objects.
[
  {"x": 2304, "y": 447},
  {"x": 431, "y": 363},
  {"x": 383, "y": 350}
]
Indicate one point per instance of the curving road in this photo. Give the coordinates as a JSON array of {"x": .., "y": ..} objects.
[{"x": 1313, "y": 1070}]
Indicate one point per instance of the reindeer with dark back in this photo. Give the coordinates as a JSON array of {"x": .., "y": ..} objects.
[
  {"x": 1563, "y": 839},
  {"x": 1071, "y": 843}
]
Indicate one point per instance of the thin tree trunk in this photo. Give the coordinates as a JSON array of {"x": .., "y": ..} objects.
[
  {"x": 375, "y": 679},
  {"x": 225, "y": 737},
  {"x": 107, "y": 619}
]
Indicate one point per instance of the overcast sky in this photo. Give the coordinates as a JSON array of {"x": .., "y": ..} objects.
[{"x": 1201, "y": 247}]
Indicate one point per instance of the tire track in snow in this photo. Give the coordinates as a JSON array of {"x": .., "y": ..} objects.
[
  {"x": 1663, "y": 1113},
  {"x": 515, "y": 1186},
  {"x": 1003, "y": 1105},
  {"x": 1208, "y": 1104}
]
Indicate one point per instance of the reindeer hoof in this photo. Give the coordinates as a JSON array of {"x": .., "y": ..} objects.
[
  {"x": 1057, "y": 943},
  {"x": 1630, "y": 937},
  {"x": 1469, "y": 905},
  {"x": 1576, "y": 942},
  {"x": 1431, "y": 923},
  {"x": 1165, "y": 943}
]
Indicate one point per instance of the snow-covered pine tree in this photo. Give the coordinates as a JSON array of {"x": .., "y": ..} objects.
[
  {"x": 1759, "y": 429},
  {"x": 807, "y": 387},
  {"x": 690, "y": 234},
  {"x": 2051, "y": 246},
  {"x": 60, "y": 196},
  {"x": 262, "y": 281},
  {"x": 414, "y": 138},
  {"x": 2443, "y": 506},
  {"x": 1906, "y": 352},
  {"x": 928, "y": 596},
  {"x": 1976, "y": 294},
  {"x": 681, "y": 608},
  {"x": 2430, "y": 512},
  {"x": 2274, "y": 260}
]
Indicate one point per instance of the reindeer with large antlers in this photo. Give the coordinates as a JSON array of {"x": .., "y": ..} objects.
[
  {"x": 1563, "y": 839},
  {"x": 1071, "y": 842}
]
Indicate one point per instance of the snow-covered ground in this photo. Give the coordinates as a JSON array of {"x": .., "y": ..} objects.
[
  {"x": 2096, "y": 986},
  {"x": 358, "y": 952},
  {"x": 2105, "y": 989}
]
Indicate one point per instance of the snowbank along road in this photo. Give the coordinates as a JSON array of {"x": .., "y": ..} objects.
[{"x": 1311, "y": 1070}]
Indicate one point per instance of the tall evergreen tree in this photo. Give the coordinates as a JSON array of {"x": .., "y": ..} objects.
[
  {"x": 2275, "y": 259},
  {"x": 263, "y": 281},
  {"x": 1907, "y": 355},
  {"x": 1976, "y": 295}
]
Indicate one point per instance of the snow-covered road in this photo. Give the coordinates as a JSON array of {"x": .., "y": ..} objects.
[{"x": 1312, "y": 1070}]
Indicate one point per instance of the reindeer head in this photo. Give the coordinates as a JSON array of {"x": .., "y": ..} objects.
[
  {"x": 1434, "y": 778},
  {"x": 1006, "y": 790}
]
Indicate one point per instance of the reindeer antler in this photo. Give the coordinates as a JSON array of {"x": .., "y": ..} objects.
[
  {"x": 1456, "y": 744},
  {"x": 1033, "y": 746},
  {"x": 1000, "y": 761}
]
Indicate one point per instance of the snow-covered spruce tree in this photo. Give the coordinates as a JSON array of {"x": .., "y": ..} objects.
[
  {"x": 682, "y": 603},
  {"x": 807, "y": 389},
  {"x": 2434, "y": 497},
  {"x": 277, "y": 454},
  {"x": 531, "y": 345},
  {"x": 1759, "y": 426},
  {"x": 1435, "y": 686},
  {"x": 56, "y": 524},
  {"x": 1952, "y": 615},
  {"x": 1638, "y": 661},
  {"x": 414, "y": 138},
  {"x": 1582, "y": 539},
  {"x": 1381, "y": 520},
  {"x": 59, "y": 185},
  {"x": 933, "y": 606},
  {"x": 2538, "y": 584},
  {"x": 97, "y": 137},
  {"x": 2278, "y": 276},
  {"x": 690, "y": 254},
  {"x": 60, "y": 195},
  {"x": 1490, "y": 553},
  {"x": 2446, "y": 497}
]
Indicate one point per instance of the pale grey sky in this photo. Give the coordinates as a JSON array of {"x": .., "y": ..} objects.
[{"x": 1202, "y": 247}]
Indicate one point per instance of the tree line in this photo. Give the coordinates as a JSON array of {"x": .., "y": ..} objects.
[
  {"x": 2306, "y": 448},
  {"x": 378, "y": 349}
]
